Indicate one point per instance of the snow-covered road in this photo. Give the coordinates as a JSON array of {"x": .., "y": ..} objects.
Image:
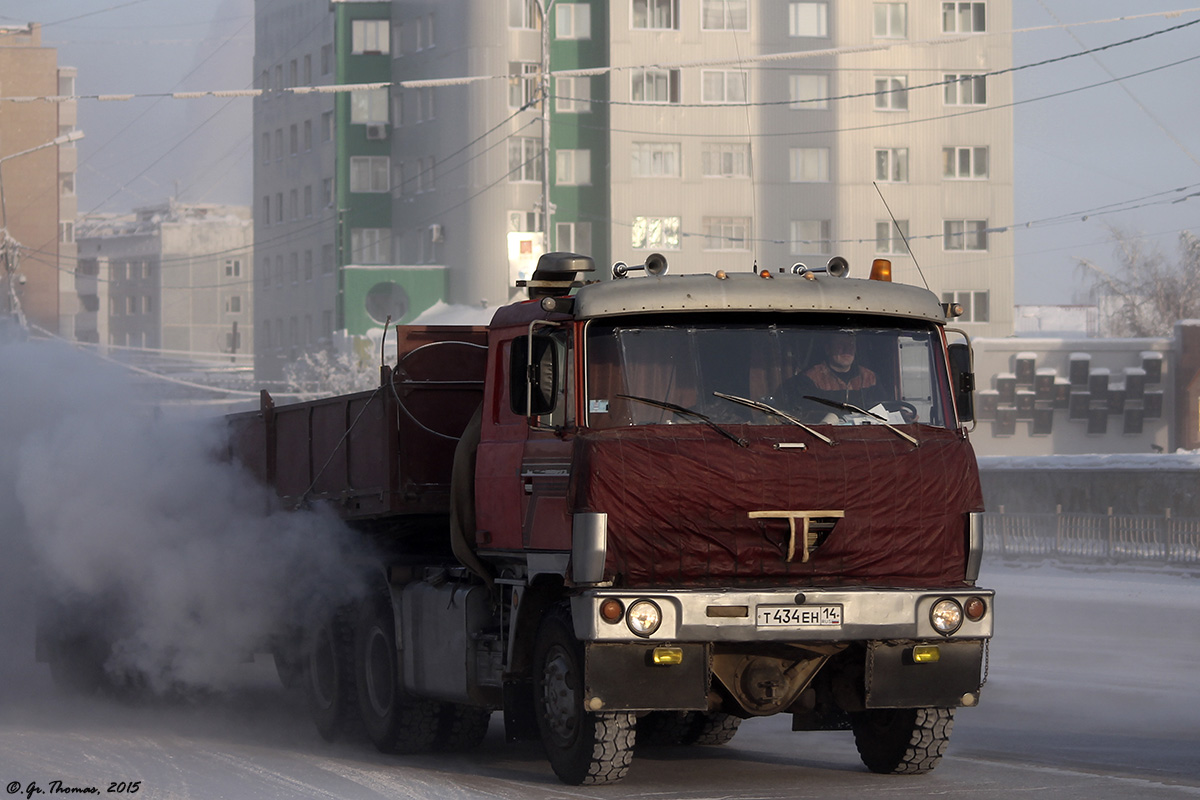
[{"x": 1091, "y": 694}]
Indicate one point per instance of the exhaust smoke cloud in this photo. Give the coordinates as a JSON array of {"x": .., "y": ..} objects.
[{"x": 131, "y": 517}]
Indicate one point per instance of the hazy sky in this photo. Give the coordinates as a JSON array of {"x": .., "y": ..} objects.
[{"x": 1085, "y": 152}]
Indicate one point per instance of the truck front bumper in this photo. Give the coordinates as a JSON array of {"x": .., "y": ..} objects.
[{"x": 777, "y": 615}]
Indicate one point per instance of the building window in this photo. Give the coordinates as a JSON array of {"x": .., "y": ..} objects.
[
  {"x": 888, "y": 240},
  {"x": 573, "y": 21},
  {"x": 722, "y": 160},
  {"x": 975, "y": 305},
  {"x": 808, "y": 19},
  {"x": 655, "y": 233},
  {"x": 964, "y": 234},
  {"x": 725, "y": 15},
  {"x": 233, "y": 268},
  {"x": 279, "y": 144},
  {"x": 722, "y": 86},
  {"x": 327, "y": 126},
  {"x": 655, "y": 160},
  {"x": 370, "y": 173},
  {"x": 425, "y": 104},
  {"x": 524, "y": 221},
  {"x": 327, "y": 192},
  {"x": 524, "y": 80},
  {"x": 965, "y": 90},
  {"x": 891, "y": 20},
  {"x": 398, "y": 109},
  {"x": 234, "y": 306},
  {"x": 658, "y": 15},
  {"x": 307, "y": 135},
  {"x": 370, "y": 245},
  {"x": 524, "y": 159},
  {"x": 66, "y": 184},
  {"x": 293, "y": 73},
  {"x": 308, "y": 201},
  {"x": 573, "y": 237},
  {"x": 66, "y": 232},
  {"x": 573, "y": 95},
  {"x": 308, "y": 70},
  {"x": 327, "y": 260},
  {"x": 266, "y": 209},
  {"x": 654, "y": 86},
  {"x": 424, "y": 28},
  {"x": 308, "y": 265},
  {"x": 726, "y": 233},
  {"x": 965, "y": 163},
  {"x": 326, "y": 59},
  {"x": 369, "y": 105},
  {"x": 294, "y": 268},
  {"x": 279, "y": 270},
  {"x": 293, "y": 204},
  {"x": 369, "y": 36},
  {"x": 293, "y": 140},
  {"x": 964, "y": 17},
  {"x": 808, "y": 92},
  {"x": 891, "y": 165},
  {"x": 266, "y": 148},
  {"x": 573, "y": 168},
  {"x": 811, "y": 236},
  {"x": 809, "y": 164},
  {"x": 891, "y": 93},
  {"x": 279, "y": 206},
  {"x": 524, "y": 14},
  {"x": 425, "y": 174}
]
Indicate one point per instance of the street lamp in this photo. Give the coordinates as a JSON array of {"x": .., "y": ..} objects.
[
  {"x": 8, "y": 245},
  {"x": 544, "y": 7},
  {"x": 67, "y": 138}
]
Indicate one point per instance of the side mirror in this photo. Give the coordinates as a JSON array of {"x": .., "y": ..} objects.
[
  {"x": 533, "y": 387},
  {"x": 963, "y": 380}
]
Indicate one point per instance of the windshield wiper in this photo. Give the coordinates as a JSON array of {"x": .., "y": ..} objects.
[
  {"x": 687, "y": 412},
  {"x": 759, "y": 406},
  {"x": 857, "y": 410}
]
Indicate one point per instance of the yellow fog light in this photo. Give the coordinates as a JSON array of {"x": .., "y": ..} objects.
[
  {"x": 926, "y": 654},
  {"x": 668, "y": 655}
]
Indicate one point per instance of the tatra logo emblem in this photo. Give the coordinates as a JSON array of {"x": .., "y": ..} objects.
[{"x": 809, "y": 537}]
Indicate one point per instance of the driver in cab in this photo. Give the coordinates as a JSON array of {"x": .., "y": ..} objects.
[{"x": 838, "y": 377}]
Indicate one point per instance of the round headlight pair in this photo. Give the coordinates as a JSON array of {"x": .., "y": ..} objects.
[
  {"x": 946, "y": 616},
  {"x": 643, "y": 617}
]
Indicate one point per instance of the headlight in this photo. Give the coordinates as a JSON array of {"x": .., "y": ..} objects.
[
  {"x": 946, "y": 616},
  {"x": 643, "y": 618}
]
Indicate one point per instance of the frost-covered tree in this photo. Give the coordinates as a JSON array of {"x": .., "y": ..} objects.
[
  {"x": 1145, "y": 293},
  {"x": 353, "y": 367}
]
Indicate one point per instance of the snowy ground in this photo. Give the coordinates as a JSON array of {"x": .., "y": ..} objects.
[{"x": 1091, "y": 694}]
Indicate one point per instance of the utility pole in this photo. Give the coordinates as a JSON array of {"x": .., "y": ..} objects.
[{"x": 544, "y": 7}]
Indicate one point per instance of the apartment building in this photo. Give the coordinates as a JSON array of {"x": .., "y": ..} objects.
[
  {"x": 727, "y": 134},
  {"x": 37, "y": 182}
]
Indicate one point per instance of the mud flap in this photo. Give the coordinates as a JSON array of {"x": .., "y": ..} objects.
[
  {"x": 624, "y": 677},
  {"x": 895, "y": 680}
]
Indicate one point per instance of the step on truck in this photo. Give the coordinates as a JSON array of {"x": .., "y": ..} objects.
[{"x": 642, "y": 510}]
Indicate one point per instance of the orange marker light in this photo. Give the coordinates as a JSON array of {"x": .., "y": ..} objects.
[
  {"x": 881, "y": 270},
  {"x": 612, "y": 609},
  {"x": 766, "y": 273}
]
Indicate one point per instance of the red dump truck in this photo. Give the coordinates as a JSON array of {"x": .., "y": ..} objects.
[{"x": 642, "y": 509}]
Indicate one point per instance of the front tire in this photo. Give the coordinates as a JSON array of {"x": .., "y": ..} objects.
[
  {"x": 583, "y": 747},
  {"x": 902, "y": 741}
]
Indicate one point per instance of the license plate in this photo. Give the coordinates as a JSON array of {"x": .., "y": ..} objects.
[{"x": 797, "y": 616}]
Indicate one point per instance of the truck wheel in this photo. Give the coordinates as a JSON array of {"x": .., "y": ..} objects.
[
  {"x": 902, "y": 741},
  {"x": 713, "y": 728},
  {"x": 394, "y": 722},
  {"x": 461, "y": 727},
  {"x": 583, "y": 747},
  {"x": 328, "y": 675},
  {"x": 665, "y": 728}
]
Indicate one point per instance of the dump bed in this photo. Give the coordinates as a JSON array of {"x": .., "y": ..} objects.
[{"x": 378, "y": 453}]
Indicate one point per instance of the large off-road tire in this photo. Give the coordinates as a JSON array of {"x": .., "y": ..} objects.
[
  {"x": 583, "y": 747},
  {"x": 392, "y": 720},
  {"x": 329, "y": 673},
  {"x": 461, "y": 727},
  {"x": 902, "y": 741},
  {"x": 713, "y": 728},
  {"x": 666, "y": 728}
]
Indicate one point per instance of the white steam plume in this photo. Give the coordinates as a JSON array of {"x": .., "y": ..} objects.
[{"x": 102, "y": 497}]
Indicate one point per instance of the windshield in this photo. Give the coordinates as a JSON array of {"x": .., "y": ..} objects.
[{"x": 845, "y": 374}]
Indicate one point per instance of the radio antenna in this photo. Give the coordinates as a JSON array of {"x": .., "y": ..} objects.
[{"x": 903, "y": 238}]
